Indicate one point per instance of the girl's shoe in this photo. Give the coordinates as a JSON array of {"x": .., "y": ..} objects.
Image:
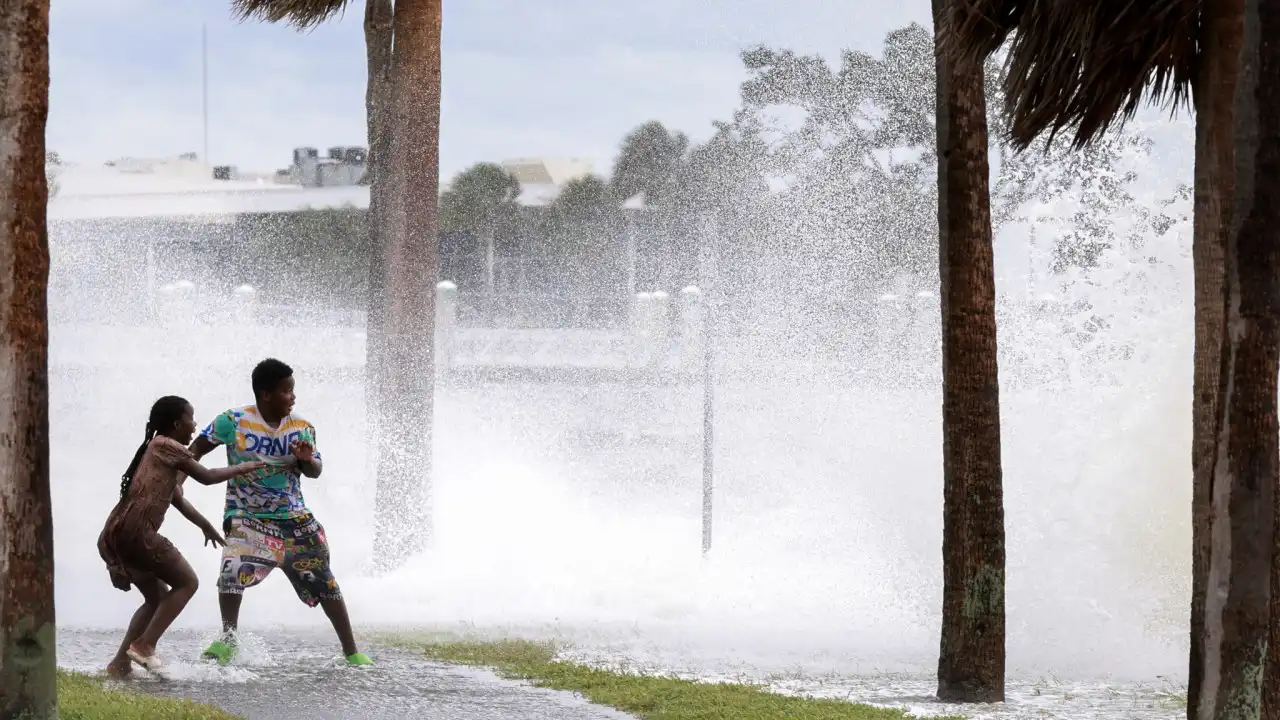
[
  {"x": 151, "y": 662},
  {"x": 358, "y": 659}
]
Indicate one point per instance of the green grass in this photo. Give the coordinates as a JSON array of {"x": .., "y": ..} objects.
[
  {"x": 81, "y": 697},
  {"x": 647, "y": 697}
]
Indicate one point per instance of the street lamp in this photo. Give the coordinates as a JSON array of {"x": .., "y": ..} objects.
[{"x": 707, "y": 271}]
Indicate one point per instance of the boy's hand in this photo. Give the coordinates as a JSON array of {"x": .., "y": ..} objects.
[
  {"x": 303, "y": 450},
  {"x": 211, "y": 535}
]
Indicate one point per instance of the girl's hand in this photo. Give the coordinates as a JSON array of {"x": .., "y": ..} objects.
[
  {"x": 211, "y": 535},
  {"x": 248, "y": 467}
]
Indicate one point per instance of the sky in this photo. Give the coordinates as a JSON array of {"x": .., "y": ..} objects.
[{"x": 567, "y": 78}]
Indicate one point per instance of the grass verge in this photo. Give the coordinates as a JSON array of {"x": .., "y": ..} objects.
[
  {"x": 648, "y": 697},
  {"x": 81, "y": 697}
]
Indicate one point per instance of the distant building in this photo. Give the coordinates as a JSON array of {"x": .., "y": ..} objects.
[
  {"x": 186, "y": 187},
  {"x": 548, "y": 171},
  {"x": 148, "y": 222},
  {"x": 342, "y": 167}
]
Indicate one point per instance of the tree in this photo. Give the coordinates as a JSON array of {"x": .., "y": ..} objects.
[
  {"x": 1215, "y": 177},
  {"x": 971, "y": 663},
  {"x": 650, "y": 164},
  {"x": 583, "y": 226},
  {"x": 27, "y": 637},
  {"x": 649, "y": 161},
  {"x": 482, "y": 199},
  {"x": 1084, "y": 67},
  {"x": 860, "y": 161},
  {"x": 723, "y": 179},
  {"x": 861, "y": 200},
  {"x": 379, "y": 34},
  {"x": 1247, "y": 457},
  {"x": 403, "y": 104}
]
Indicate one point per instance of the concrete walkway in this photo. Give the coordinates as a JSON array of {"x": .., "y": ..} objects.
[{"x": 283, "y": 676}]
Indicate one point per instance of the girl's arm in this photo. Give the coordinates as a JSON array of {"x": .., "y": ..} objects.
[
  {"x": 188, "y": 511},
  {"x": 193, "y": 515},
  {"x": 207, "y": 476}
]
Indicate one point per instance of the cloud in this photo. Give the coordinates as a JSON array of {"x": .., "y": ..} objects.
[
  {"x": 579, "y": 104},
  {"x": 519, "y": 79}
]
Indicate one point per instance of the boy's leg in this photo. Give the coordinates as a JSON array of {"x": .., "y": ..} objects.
[
  {"x": 250, "y": 555},
  {"x": 307, "y": 567},
  {"x": 229, "y": 608},
  {"x": 336, "y": 609}
]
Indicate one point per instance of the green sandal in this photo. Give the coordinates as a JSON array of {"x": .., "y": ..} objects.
[{"x": 220, "y": 650}]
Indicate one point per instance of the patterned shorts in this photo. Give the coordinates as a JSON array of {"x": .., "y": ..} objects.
[{"x": 255, "y": 547}]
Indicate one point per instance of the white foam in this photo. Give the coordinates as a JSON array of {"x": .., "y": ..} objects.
[{"x": 575, "y": 510}]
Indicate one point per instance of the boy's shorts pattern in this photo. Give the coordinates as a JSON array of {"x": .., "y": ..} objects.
[{"x": 255, "y": 547}]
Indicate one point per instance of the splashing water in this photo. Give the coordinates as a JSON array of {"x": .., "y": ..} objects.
[{"x": 573, "y": 510}]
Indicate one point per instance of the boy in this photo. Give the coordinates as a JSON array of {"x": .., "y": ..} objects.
[{"x": 266, "y": 522}]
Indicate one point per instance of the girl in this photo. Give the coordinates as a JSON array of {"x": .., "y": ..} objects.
[{"x": 135, "y": 552}]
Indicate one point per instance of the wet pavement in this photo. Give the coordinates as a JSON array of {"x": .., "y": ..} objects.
[{"x": 299, "y": 676}]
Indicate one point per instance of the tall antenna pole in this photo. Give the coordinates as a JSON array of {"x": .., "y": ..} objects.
[{"x": 204, "y": 88}]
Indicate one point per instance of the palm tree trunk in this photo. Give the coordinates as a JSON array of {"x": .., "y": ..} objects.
[
  {"x": 404, "y": 377},
  {"x": 971, "y": 662},
  {"x": 378, "y": 35},
  {"x": 1247, "y": 467},
  {"x": 27, "y": 652},
  {"x": 1215, "y": 86},
  {"x": 1268, "y": 121}
]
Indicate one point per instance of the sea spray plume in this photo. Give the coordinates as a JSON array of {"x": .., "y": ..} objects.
[
  {"x": 832, "y": 480},
  {"x": 847, "y": 153},
  {"x": 403, "y": 117}
]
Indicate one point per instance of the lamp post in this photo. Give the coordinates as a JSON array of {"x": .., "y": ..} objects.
[{"x": 707, "y": 267}]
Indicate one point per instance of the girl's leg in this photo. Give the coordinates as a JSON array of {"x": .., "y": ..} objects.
[
  {"x": 153, "y": 591},
  {"x": 177, "y": 572}
]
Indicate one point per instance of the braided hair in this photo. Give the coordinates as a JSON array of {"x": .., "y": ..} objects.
[{"x": 165, "y": 413}]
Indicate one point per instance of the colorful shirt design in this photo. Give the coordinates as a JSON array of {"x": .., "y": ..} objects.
[{"x": 275, "y": 491}]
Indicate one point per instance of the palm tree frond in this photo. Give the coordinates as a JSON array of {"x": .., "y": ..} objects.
[
  {"x": 1080, "y": 66},
  {"x": 302, "y": 14}
]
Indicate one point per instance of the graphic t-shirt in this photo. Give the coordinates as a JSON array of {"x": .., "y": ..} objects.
[{"x": 275, "y": 491}]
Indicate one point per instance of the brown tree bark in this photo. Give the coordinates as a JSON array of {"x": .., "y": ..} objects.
[
  {"x": 1215, "y": 85},
  {"x": 1247, "y": 465},
  {"x": 404, "y": 376},
  {"x": 971, "y": 662},
  {"x": 378, "y": 35},
  {"x": 27, "y": 648},
  {"x": 1264, "y": 39}
]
